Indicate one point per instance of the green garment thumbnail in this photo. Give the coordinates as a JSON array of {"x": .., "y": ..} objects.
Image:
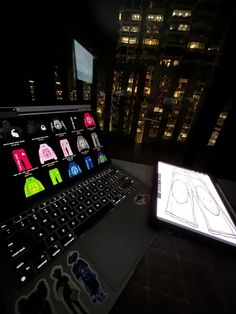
[
  {"x": 55, "y": 176},
  {"x": 32, "y": 186}
]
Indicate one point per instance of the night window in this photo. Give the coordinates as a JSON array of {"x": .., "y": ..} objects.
[
  {"x": 158, "y": 109},
  {"x": 155, "y": 17},
  {"x": 195, "y": 45},
  {"x": 132, "y": 40},
  {"x": 167, "y": 135},
  {"x": 183, "y": 27},
  {"x": 150, "y": 41},
  {"x": 147, "y": 90},
  {"x": 124, "y": 40},
  {"x": 148, "y": 76},
  {"x": 167, "y": 62},
  {"x": 125, "y": 28},
  {"x": 136, "y": 17},
  {"x": 213, "y": 48},
  {"x": 175, "y": 63},
  {"x": 131, "y": 79},
  {"x": 128, "y": 40},
  {"x": 134, "y": 29},
  {"x": 219, "y": 124},
  {"x": 223, "y": 115},
  {"x": 178, "y": 94},
  {"x": 179, "y": 27},
  {"x": 181, "y": 13},
  {"x": 32, "y": 89}
]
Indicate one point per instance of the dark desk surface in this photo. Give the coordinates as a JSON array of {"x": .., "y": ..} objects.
[{"x": 180, "y": 274}]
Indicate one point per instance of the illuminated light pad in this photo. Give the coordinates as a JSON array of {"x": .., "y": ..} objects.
[{"x": 189, "y": 199}]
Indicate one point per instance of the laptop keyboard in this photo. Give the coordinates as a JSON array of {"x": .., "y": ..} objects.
[{"x": 34, "y": 238}]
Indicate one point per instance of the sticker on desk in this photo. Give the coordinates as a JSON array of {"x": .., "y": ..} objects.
[
  {"x": 141, "y": 199},
  {"x": 66, "y": 291},
  {"x": 86, "y": 277},
  {"x": 37, "y": 301}
]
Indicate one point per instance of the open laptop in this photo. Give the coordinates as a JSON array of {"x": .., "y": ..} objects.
[
  {"x": 73, "y": 226},
  {"x": 192, "y": 202}
]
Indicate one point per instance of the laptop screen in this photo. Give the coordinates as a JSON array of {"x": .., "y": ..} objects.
[{"x": 44, "y": 150}]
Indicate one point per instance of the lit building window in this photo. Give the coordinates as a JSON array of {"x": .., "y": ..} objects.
[
  {"x": 167, "y": 135},
  {"x": 164, "y": 85},
  {"x": 59, "y": 95},
  {"x": 73, "y": 95},
  {"x": 147, "y": 90},
  {"x": 166, "y": 62},
  {"x": 175, "y": 63},
  {"x": 192, "y": 110},
  {"x": 134, "y": 29},
  {"x": 155, "y": 17},
  {"x": 32, "y": 89},
  {"x": 58, "y": 89},
  {"x": 213, "y": 48},
  {"x": 219, "y": 124},
  {"x": 178, "y": 94},
  {"x": 170, "y": 125},
  {"x": 136, "y": 17},
  {"x": 158, "y": 109},
  {"x": 124, "y": 40},
  {"x": 213, "y": 138},
  {"x": 195, "y": 45},
  {"x": 183, "y": 27},
  {"x": 86, "y": 91},
  {"x": 179, "y": 27},
  {"x": 181, "y": 13},
  {"x": 169, "y": 62},
  {"x": 128, "y": 40},
  {"x": 182, "y": 136},
  {"x": 148, "y": 76},
  {"x": 125, "y": 28},
  {"x": 132, "y": 40},
  {"x": 131, "y": 80},
  {"x": 151, "y": 41},
  {"x": 223, "y": 115}
]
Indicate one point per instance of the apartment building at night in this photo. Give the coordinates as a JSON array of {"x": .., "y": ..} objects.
[{"x": 166, "y": 57}]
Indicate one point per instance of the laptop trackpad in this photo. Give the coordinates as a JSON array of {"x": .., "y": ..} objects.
[{"x": 116, "y": 244}]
